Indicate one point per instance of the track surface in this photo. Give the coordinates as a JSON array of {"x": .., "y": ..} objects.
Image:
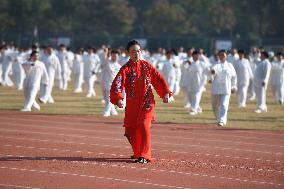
[{"x": 61, "y": 151}]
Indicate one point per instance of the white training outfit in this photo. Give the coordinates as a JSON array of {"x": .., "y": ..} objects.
[
  {"x": 35, "y": 75},
  {"x": 277, "y": 80},
  {"x": 53, "y": 68},
  {"x": 109, "y": 71},
  {"x": 244, "y": 75},
  {"x": 262, "y": 73},
  {"x": 223, "y": 81}
]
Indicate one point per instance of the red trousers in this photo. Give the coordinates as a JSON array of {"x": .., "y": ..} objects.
[{"x": 140, "y": 139}]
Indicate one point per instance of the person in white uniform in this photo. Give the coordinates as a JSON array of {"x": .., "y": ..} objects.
[
  {"x": 35, "y": 74},
  {"x": 224, "y": 82},
  {"x": 196, "y": 71},
  {"x": 254, "y": 58},
  {"x": 169, "y": 70},
  {"x": 185, "y": 75},
  {"x": 78, "y": 68},
  {"x": 7, "y": 67},
  {"x": 53, "y": 68},
  {"x": 91, "y": 65},
  {"x": 110, "y": 68},
  {"x": 244, "y": 74},
  {"x": 63, "y": 58},
  {"x": 261, "y": 77},
  {"x": 277, "y": 78},
  {"x": 18, "y": 70}
]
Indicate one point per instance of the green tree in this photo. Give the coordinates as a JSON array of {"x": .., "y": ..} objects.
[{"x": 165, "y": 18}]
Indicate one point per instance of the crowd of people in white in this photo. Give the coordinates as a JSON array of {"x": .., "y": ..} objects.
[{"x": 248, "y": 74}]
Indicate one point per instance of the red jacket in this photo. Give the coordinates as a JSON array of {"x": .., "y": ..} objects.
[{"x": 138, "y": 79}]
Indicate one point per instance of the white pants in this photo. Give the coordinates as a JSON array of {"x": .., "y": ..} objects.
[
  {"x": 20, "y": 77},
  {"x": 78, "y": 80},
  {"x": 194, "y": 99},
  {"x": 90, "y": 85},
  {"x": 278, "y": 92},
  {"x": 220, "y": 106},
  {"x": 260, "y": 93},
  {"x": 30, "y": 96},
  {"x": 186, "y": 97},
  {"x": 242, "y": 95},
  {"x": 64, "y": 81},
  {"x": 6, "y": 80},
  {"x": 109, "y": 107},
  {"x": 171, "y": 83},
  {"x": 251, "y": 90},
  {"x": 46, "y": 92}
]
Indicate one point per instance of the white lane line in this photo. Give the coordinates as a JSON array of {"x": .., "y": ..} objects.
[
  {"x": 17, "y": 186},
  {"x": 173, "y": 172},
  {"x": 102, "y": 121},
  {"x": 162, "y": 136},
  {"x": 165, "y": 143},
  {"x": 120, "y": 155},
  {"x": 96, "y": 177},
  {"x": 207, "y": 154}
]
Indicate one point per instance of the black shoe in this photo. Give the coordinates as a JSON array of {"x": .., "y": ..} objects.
[{"x": 142, "y": 160}]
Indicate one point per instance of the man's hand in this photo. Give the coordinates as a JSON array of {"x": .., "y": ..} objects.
[
  {"x": 120, "y": 103},
  {"x": 167, "y": 98}
]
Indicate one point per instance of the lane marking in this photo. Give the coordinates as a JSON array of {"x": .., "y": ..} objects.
[
  {"x": 162, "y": 136},
  {"x": 207, "y": 154},
  {"x": 170, "y": 171},
  {"x": 17, "y": 186},
  {"x": 95, "y": 177},
  {"x": 159, "y": 143},
  {"x": 102, "y": 121},
  {"x": 115, "y": 155}
]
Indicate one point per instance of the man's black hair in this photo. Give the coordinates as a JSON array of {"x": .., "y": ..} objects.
[
  {"x": 131, "y": 43},
  {"x": 114, "y": 52},
  {"x": 195, "y": 52},
  {"x": 265, "y": 54},
  {"x": 241, "y": 51}
]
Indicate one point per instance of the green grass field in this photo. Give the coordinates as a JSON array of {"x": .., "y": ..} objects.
[{"x": 67, "y": 102}]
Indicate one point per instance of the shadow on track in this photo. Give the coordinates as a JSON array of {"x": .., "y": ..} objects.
[{"x": 75, "y": 159}]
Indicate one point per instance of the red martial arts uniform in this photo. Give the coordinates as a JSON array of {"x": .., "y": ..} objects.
[{"x": 137, "y": 79}]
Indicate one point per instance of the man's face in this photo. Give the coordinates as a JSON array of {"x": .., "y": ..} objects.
[
  {"x": 222, "y": 56},
  {"x": 241, "y": 55},
  {"x": 195, "y": 57},
  {"x": 35, "y": 57},
  {"x": 49, "y": 51},
  {"x": 114, "y": 57},
  {"x": 135, "y": 52}
]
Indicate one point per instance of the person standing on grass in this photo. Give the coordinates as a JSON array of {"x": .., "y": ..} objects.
[
  {"x": 77, "y": 71},
  {"x": 196, "y": 71},
  {"x": 53, "y": 67},
  {"x": 110, "y": 68},
  {"x": 244, "y": 74},
  {"x": 91, "y": 62},
  {"x": 35, "y": 74},
  {"x": 224, "y": 82},
  {"x": 277, "y": 78},
  {"x": 261, "y": 77},
  {"x": 138, "y": 78}
]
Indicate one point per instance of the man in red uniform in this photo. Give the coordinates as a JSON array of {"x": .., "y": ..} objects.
[{"x": 137, "y": 77}]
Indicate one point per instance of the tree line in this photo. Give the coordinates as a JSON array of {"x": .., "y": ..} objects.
[{"x": 248, "y": 19}]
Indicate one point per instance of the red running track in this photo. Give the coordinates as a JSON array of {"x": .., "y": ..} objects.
[{"x": 62, "y": 151}]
